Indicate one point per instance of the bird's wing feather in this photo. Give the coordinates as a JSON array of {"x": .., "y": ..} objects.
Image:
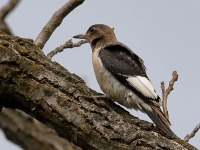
[
  {"x": 143, "y": 85},
  {"x": 129, "y": 69}
]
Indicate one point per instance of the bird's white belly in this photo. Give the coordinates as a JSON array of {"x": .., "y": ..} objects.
[{"x": 113, "y": 88}]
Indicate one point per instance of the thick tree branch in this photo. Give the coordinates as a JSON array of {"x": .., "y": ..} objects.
[
  {"x": 21, "y": 128},
  {"x": 45, "y": 90},
  {"x": 192, "y": 134},
  {"x": 55, "y": 21},
  {"x": 68, "y": 44},
  {"x": 166, "y": 92},
  {"x": 31, "y": 134}
]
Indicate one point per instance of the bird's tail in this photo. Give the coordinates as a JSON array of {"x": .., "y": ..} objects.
[{"x": 160, "y": 120}]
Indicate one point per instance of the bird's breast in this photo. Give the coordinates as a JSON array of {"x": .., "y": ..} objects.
[{"x": 105, "y": 78}]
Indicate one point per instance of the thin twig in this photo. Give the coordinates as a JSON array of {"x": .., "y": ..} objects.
[
  {"x": 163, "y": 89},
  {"x": 166, "y": 92},
  {"x": 192, "y": 134},
  {"x": 68, "y": 44},
  {"x": 55, "y": 21}
]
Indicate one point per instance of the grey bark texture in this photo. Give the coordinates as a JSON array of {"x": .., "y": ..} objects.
[
  {"x": 32, "y": 83},
  {"x": 31, "y": 134}
]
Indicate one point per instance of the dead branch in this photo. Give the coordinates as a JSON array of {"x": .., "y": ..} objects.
[
  {"x": 29, "y": 133},
  {"x": 166, "y": 92},
  {"x": 55, "y": 21},
  {"x": 68, "y": 44},
  {"x": 192, "y": 134},
  {"x": 8, "y": 8},
  {"x": 4, "y": 11}
]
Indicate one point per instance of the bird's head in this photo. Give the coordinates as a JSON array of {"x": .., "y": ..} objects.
[{"x": 98, "y": 35}]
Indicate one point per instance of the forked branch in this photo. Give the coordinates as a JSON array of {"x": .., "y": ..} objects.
[
  {"x": 55, "y": 21},
  {"x": 8, "y": 8},
  {"x": 4, "y": 11},
  {"x": 166, "y": 92},
  {"x": 68, "y": 44}
]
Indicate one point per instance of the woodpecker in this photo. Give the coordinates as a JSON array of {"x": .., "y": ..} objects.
[{"x": 121, "y": 75}]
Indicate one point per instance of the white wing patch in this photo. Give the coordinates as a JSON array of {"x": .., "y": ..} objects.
[{"x": 143, "y": 85}]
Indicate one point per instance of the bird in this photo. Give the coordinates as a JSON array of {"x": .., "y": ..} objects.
[{"x": 121, "y": 75}]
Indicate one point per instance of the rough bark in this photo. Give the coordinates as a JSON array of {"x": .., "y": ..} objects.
[
  {"x": 31, "y": 134},
  {"x": 61, "y": 100}
]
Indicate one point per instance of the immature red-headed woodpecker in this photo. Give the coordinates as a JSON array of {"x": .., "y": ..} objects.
[{"x": 122, "y": 76}]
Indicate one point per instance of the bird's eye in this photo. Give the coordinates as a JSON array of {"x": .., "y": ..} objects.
[{"x": 92, "y": 30}]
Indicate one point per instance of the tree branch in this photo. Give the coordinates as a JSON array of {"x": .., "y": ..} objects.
[
  {"x": 4, "y": 11},
  {"x": 192, "y": 134},
  {"x": 166, "y": 92},
  {"x": 8, "y": 8},
  {"x": 29, "y": 81},
  {"x": 68, "y": 44},
  {"x": 55, "y": 21},
  {"x": 29, "y": 133}
]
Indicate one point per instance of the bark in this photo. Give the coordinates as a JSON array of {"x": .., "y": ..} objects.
[
  {"x": 61, "y": 100},
  {"x": 31, "y": 134}
]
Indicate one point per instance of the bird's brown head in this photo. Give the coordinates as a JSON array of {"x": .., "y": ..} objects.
[{"x": 99, "y": 35}]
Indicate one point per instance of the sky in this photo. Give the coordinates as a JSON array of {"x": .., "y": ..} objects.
[{"x": 165, "y": 34}]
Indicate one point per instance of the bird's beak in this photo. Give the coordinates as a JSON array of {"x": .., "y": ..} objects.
[{"x": 80, "y": 36}]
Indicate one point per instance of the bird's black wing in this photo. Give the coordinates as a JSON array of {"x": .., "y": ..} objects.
[{"x": 129, "y": 69}]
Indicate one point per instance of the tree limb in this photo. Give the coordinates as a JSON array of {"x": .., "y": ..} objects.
[
  {"x": 55, "y": 21},
  {"x": 29, "y": 133},
  {"x": 4, "y": 27},
  {"x": 8, "y": 8},
  {"x": 166, "y": 92},
  {"x": 4, "y": 11},
  {"x": 29, "y": 81},
  {"x": 192, "y": 134},
  {"x": 68, "y": 44}
]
